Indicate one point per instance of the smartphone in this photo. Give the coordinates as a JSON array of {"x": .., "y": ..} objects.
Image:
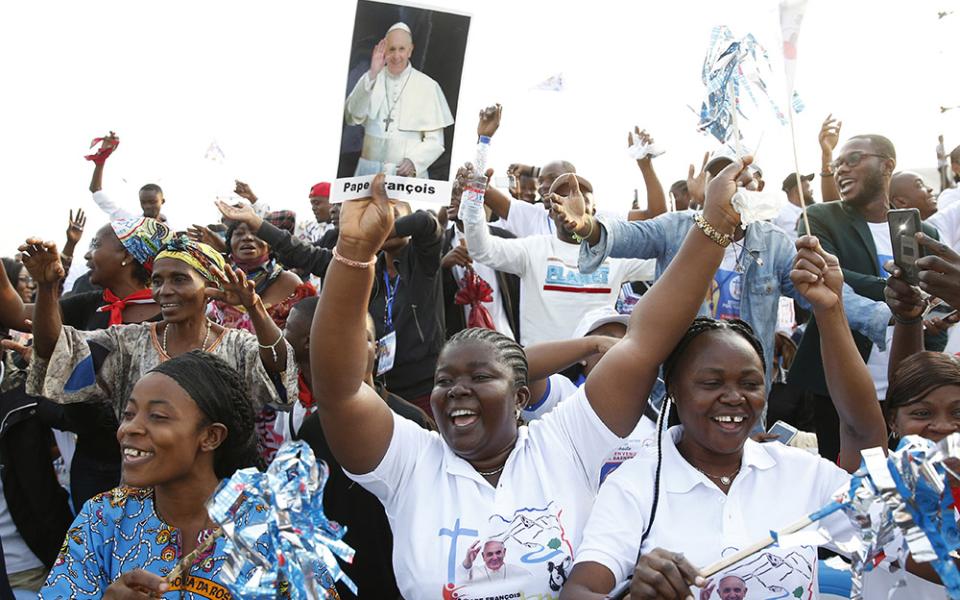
[
  {"x": 784, "y": 432},
  {"x": 904, "y": 224}
]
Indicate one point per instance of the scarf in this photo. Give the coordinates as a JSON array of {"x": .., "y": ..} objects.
[
  {"x": 198, "y": 255},
  {"x": 115, "y": 305},
  {"x": 261, "y": 272}
]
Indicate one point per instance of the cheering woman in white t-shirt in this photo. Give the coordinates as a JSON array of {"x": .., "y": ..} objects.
[
  {"x": 487, "y": 508},
  {"x": 711, "y": 491}
]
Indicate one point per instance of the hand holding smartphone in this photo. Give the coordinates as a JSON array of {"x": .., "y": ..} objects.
[{"x": 904, "y": 224}]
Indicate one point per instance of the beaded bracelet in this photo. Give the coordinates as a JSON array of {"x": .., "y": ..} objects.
[
  {"x": 721, "y": 239},
  {"x": 272, "y": 347},
  {"x": 356, "y": 264}
]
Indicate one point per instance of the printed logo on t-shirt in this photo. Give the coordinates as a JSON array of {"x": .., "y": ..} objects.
[
  {"x": 525, "y": 554},
  {"x": 568, "y": 278},
  {"x": 786, "y": 573},
  {"x": 724, "y": 295}
]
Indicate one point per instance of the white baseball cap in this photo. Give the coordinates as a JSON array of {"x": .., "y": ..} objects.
[{"x": 597, "y": 318}]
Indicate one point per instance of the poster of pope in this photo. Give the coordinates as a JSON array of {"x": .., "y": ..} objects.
[{"x": 402, "y": 90}]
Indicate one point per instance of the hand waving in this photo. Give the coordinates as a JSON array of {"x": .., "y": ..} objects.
[
  {"x": 570, "y": 210},
  {"x": 366, "y": 223},
  {"x": 42, "y": 260},
  {"x": 696, "y": 186},
  {"x": 199, "y": 233},
  {"x": 236, "y": 289},
  {"x": 717, "y": 209},
  {"x": 378, "y": 58},
  {"x": 75, "y": 226},
  {"x": 489, "y": 120},
  {"x": 816, "y": 274},
  {"x": 829, "y": 134},
  {"x": 243, "y": 190},
  {"x": 242, "y": 213}
]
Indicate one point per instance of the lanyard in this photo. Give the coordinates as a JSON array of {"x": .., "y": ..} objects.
[{"x": 391, "y": 296}]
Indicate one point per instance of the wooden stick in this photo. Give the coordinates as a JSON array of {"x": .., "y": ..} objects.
[
  {"x": 753, "y": 549},
  {"x": 187, "y": 561},
  {"x": 796, "y": 165}
]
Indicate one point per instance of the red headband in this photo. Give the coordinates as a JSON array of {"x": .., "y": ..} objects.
[{"x": 321, "y": 189}]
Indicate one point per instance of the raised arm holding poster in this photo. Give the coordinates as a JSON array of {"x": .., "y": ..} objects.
[{"x": 399, "y": 114}]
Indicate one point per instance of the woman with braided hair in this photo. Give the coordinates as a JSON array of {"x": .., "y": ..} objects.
[
  {"x": 487, "y": 507},
  {"x": 187, "y": 424},
  {"x": 72, "y": 366}
]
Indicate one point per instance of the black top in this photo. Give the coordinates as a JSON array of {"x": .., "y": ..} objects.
[
  {"x": 418, "y": 315},
  {"x": 344, "y": 501}
]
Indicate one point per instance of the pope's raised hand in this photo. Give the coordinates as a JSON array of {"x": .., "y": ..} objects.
[
  {"x": 366, "y": 223},
  {"x": 378, "y": 58}
]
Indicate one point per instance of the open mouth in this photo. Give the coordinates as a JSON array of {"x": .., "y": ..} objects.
[
  {"x": 729, "y": 422},
  {"x": 133, "y": 456},
  {"x": 846, "y": 184},
  {"x": 463, "y": 417}
]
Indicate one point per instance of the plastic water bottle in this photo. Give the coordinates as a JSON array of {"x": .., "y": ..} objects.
[{"x": 471, "y": 201}]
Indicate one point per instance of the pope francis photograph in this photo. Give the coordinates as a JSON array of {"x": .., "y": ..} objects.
[{"x": 402, "y": 110}]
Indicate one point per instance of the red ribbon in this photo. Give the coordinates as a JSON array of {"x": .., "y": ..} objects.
[
  {"x": 115, "y": 304},
  {"x": 475, "y": 291},
  {"x": 101, "y": 155}
]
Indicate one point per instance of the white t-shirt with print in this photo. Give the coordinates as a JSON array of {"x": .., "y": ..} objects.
[
  {"x": 777, "y": 486},
  {"x": 879, "y": 360},
  {"x": 726, "y": 288},
  {"x": 439, "y": 507},
  {"x": 554, "y": 294}
]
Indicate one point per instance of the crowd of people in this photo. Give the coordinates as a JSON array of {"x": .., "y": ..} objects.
[{"x": 533, "y": 398}]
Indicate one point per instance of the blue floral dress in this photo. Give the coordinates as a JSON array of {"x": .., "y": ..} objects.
[{"x": 119, "y": 531}]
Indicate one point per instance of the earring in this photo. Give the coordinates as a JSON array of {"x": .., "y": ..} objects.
[{"x": 123, "y": 263}]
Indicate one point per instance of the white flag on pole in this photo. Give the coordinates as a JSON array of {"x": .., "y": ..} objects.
[{"x": 791, "y": 18}]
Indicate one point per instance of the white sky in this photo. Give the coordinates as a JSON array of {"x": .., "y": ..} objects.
[{"x": 266, "y": 80}]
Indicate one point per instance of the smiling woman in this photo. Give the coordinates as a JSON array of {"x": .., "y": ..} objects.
[
  {"x": 102, "y": 366},
  {"x": 187, "y": 424}
]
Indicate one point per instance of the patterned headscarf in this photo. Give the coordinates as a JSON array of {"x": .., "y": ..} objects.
[
  {"x": 142, "y": 237},
  {"x": 282, "y": 219},
  {"x": 198, "y": 255}
]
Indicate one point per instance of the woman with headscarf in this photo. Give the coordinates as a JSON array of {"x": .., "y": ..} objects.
[
  {"x": 186, "y": 425},
  {"x": 71, "y": 366},
  {"x": 279, "y": 288}
]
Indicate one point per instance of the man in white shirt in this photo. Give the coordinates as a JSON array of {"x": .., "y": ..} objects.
[
  {"x": 403, "y": 111},
  {"x": 554, "y": 294},
  {"x": 952, "y": 194},
  {"x": 790, "y": 214}
]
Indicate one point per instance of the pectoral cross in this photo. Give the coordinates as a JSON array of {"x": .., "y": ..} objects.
[{"x": 386, "y": 123}]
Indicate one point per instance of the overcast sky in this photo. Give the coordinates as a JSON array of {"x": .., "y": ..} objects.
[{"x": 266, "y": 81}]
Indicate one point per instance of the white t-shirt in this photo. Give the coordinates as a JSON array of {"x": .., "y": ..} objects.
[
  {"x": 16, "y": 553},
  {"x": 439, "y": 506},
  {"x": 726, "y": 288},
  {"x": 787, "y": 219},
  {"x": 948, "y": 197},
  {"x": 526, "y": 219},
  {"x": 495, "y": 306},
  {"x": 559, "y": 388},
  {"x": 777, "y": 485},
  {"x": 947, "y": 222},
  {"x": 879, "y": 360},
  {"x": 554, "y": 294}
]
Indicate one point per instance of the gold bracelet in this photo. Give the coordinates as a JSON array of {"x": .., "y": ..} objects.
[
  {"x": 721, "y": 239},
  {"x": 356, "y": 264},
  {"x": 580, "y": 238}
]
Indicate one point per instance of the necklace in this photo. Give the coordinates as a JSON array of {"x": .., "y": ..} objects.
[
  {"x": 493, "y": 472},
  {"x": 390, "y": 119},
  {"x": 166, "y": 329},
  {"x": 724, "y": 479}
]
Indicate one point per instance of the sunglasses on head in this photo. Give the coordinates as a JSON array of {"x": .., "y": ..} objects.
[{"x": 852, "y": 159}]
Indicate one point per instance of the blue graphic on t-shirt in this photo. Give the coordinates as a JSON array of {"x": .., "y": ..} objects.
[
  {"x": 883, "y": 258},
  {"x": 725, "y": 292}
]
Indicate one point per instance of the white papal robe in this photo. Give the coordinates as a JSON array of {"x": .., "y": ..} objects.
[{"x": 417, "y": 110}]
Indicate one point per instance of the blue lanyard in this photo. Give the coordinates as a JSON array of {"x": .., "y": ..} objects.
[{"x": 391, "y": 296}]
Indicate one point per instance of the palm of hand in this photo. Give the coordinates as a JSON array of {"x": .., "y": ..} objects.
[{"x": 74, "y": 233}]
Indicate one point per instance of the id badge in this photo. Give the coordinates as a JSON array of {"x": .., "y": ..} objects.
[{"x": 386, "y": 352}]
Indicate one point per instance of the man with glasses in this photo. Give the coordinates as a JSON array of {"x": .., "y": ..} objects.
[{"x": 855, "y": 230}]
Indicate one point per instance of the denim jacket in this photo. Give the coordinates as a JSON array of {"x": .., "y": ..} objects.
[{"x": 766, "y": 261}]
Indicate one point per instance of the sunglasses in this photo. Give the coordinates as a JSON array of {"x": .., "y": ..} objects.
[{"x": 852, "y": 159}]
